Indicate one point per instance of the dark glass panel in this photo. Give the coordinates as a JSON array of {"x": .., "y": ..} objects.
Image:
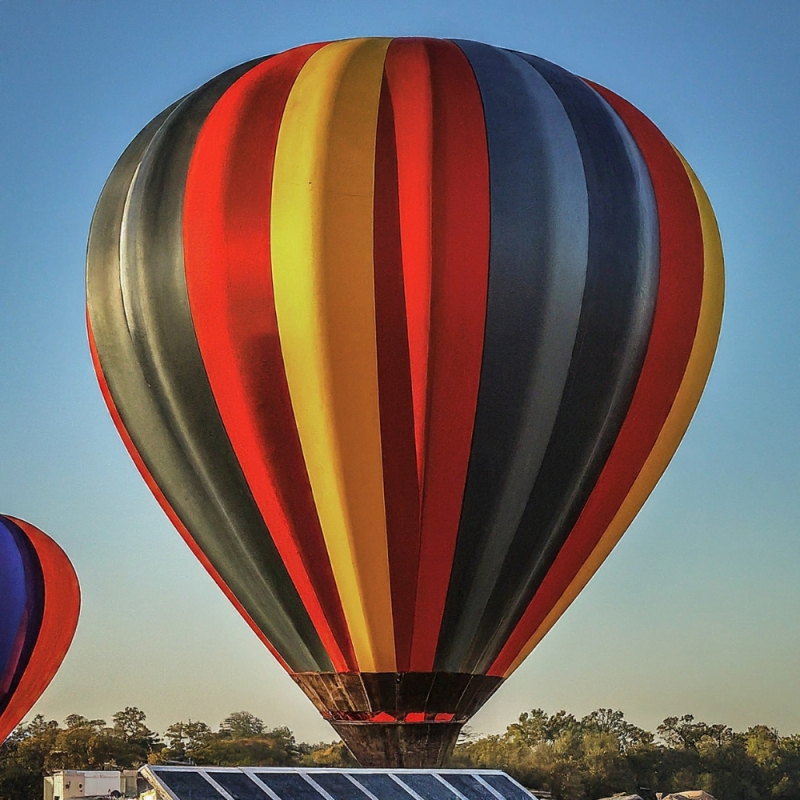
[
  {"x": 471, "y": 788},
  {"x": 289, "y": 785},
  {"x": 239, "y": 786},
  {"x": 382, "y": 786},
  {"x": 428, "y": 786},
  {"x": 506, "y": 787},
  {"x": 188, "y": 785},
  {"x": 338, "y": 786}
]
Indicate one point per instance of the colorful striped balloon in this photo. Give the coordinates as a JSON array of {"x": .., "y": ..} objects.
[
  {"x": 39, "y": 605},
  {"x": 401, "y": 333}
]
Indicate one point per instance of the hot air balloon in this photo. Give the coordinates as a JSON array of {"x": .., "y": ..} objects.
[
  {"x": 401, "y": 333},
  {"x": 39, "y": 605}
]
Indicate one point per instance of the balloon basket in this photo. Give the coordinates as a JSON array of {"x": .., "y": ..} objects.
[
  {"x": 398, "y": 719},
  {"x": 399, "y": 744}
]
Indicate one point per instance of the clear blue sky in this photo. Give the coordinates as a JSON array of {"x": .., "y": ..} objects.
[{"x": 697, "y": 610}]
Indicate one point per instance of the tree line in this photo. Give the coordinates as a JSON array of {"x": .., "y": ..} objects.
[
  {"x": 42, "y": 746},
  {"x": 573, "y": 759},
  {"x": 602, "y": 754}
]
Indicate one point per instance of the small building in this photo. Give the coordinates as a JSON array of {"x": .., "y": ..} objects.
[{"x": 68, "y": 783}]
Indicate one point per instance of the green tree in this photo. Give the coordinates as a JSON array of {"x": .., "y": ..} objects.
[
  {"x": 606, "y": 720},
  {"x": 328, "y": 754},
  {"x": 82, "y": 744},
  {"x": 242, "y": 725},
  {"x": 530, "y": 729},
  {"x": 270, "y": 749},
  {"x": 185, "y": 740},
  {"x": 135, "y": 742},
  {"x": 22, "y": 758},
  {"x": 683, "y": 732}
]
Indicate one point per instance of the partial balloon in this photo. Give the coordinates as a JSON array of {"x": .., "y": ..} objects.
[
  {"x": 39, "y": 606},
  {"x": 401, "y": 333}
]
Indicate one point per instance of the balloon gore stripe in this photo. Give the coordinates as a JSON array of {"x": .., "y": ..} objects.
[
  {"x": 323, "y": 275},
  {"x": 673, "y": 333},
  {"x": 401, "y": 333},
  {"x": 226, "y": 246}
]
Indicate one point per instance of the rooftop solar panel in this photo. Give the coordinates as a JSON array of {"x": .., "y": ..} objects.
[
  {"x": 285, "y": 783},
  {"x": 288, "y": 785},
  {"x": 382, "y": 786},
  {"x": 469, "y": 786},
  {"x": 506, "y": 787},
  {"x": 427, "y": 785},
  {"x": 189, "y": 785},
  {"x": 239, "y": 785},
  {"x": 339, "y": 786}
]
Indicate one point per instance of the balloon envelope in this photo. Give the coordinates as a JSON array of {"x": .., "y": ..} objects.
[
  {"x": 39, "y": 606},
  {"x": 401, "y": 333}
]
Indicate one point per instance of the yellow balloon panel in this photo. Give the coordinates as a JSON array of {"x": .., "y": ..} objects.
[{"x": 323, "y": 276}]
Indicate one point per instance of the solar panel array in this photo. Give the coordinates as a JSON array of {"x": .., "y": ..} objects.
[{"x": 277, "y": 783}]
